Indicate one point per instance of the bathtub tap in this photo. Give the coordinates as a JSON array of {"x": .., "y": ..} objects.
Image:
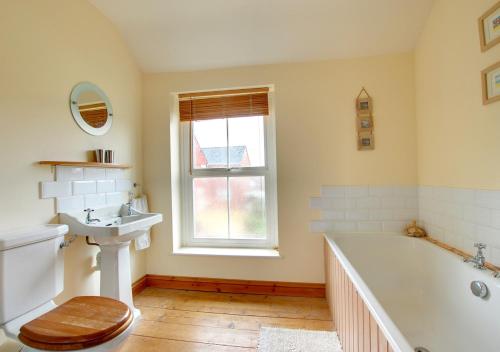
[{"x": 479, "y": 260}]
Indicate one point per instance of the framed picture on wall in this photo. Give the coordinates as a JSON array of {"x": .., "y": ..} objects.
[
  {"x": 366, "y": 141},
  {"x": 490, "y": 79},
  {"x": 365, "y": 124},
  {"x": 489, "y": 27}
]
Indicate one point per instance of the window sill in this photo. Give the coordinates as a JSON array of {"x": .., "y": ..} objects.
[{"x": 228, "y": 252}]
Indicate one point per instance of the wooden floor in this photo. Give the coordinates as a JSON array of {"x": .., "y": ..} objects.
[{"x": 185, "y": 321}]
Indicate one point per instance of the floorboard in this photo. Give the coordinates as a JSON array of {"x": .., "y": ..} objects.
[{"x": 190, "y": 321}]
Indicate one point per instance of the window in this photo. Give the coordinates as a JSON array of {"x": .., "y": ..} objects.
[{"x": 228, "y": 172}]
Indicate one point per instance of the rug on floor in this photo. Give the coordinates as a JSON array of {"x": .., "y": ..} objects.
[{"x": 295, "y": 340}]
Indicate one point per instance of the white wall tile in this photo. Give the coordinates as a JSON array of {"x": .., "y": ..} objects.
[
  {"x": 344, "y": 226},
  {"x": 84, "y": 187},
  {"x": 69, "y": 173},
  {"x": 381, "y": 214},
  {"x": 393, "y": 202},
  {"x": 105, "y": 186},
  {"x": 333, "y": 215},
  {"x": 93, "y": 201},
  {"x": 365, "y": 208},
  {"x": 70, "y": 204},
  {"x": 94, "y": 173},
  {"x": 384, "y": 191},
  {"x": 333, "y": 191},
  {"x": 371, "y": 226},
  {"x": 116, "y": 198},
  {"x": 114, "y": 174},
  {"x": 356, "y": 191},
  {"x": 55, "y": 189},
  {"x": 368, "y": 202},
  {"x": 319, "y": 226},
  {"x": 488, "y": 199},
  {"x": 123, "y": 185},
  {"x": 477, "y": 215},
  {"x": 393, "y": 226},
  {"x": 358, "y": 214}
]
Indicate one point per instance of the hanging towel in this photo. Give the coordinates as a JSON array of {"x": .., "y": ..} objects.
[{"x": 141, "y": 204}]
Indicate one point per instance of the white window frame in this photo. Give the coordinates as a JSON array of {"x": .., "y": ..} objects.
[{"x": 268, "y": 172}]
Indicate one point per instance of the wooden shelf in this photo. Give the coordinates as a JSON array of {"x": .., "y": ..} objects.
[{"x": 84, "y": 164}]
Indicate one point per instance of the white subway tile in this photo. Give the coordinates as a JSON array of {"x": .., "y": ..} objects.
[
  {"x": 356, "y": 191},
  {"x": 370, "y": 226},
  {"x": 368, "y": 202},
  {"x": 320, "y": 226},
  {"x": 488, "y": 199},
  {"x": 495, "y": 256},
  {"x": 381, "y": 214},
  {"x": 464, "y": 228},
  {"x": 95, "y": 200},
  {"x": 394, "y": 226},
  {"x": 84, "y": 187},
  {"x": 114, "y": 174},
  {"x": 55, "y": 189},
  {"x": 94, "y": 173},
  {"x": 333, "y": 191},
  {"x": 344, "y": 226},
  {"x": 123, "y": 185},
  {"x": 454, "y": 210},
  {"x": 357, "y": 215},
  {"x": 480, "y": 216},
  {"x": 105, "y": 186},
  {"x": 412, "y": 203},
  {"x": 488, "y": 235},
  {"x": 495, "y": 218},
  {"x": 393, "y": 202},
  {"x": 115, "y": 198},
  {"x": 69, "y": 173},
  {"x": 463, "y": 196},
  {"x": 70, "y": 204},
  {"x": 381, "y": 191},
  {"x": 333, "y": 215},
  {"x": 405, "y": 191},
  {"x": 405, "y": 214}
]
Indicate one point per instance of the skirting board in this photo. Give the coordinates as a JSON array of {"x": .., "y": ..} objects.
[{"x": 295, "y": 289}]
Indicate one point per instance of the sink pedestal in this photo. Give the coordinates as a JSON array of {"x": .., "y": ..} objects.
[
  {"x": 116, "y": 228},
  {"x": 115, "y": 272}
]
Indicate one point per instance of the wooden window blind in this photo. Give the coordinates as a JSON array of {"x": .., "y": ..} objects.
[{"x": 224, "y": 104}]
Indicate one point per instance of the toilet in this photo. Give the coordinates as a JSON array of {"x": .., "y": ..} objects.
[{"x": 31, "y": 276}]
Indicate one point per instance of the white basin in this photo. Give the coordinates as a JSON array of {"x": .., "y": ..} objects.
[
  {"x": 114, "y": 223},
  {"x": 113, "y": 233}
]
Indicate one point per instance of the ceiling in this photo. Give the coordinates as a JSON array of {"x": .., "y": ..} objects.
[{"x": 178, "y": 35}]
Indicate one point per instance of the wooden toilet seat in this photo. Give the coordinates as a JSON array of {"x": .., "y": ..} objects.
[{"x": 81, "y": 322}]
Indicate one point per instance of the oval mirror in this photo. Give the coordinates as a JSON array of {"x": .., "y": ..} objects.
[{"x": 91, "y": 108}]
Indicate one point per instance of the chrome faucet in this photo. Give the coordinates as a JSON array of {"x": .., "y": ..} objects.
[
  {"x": 89, "y": 219},
  {"x": 479, "y": 260},
  {"x": 129, "y": 204}
]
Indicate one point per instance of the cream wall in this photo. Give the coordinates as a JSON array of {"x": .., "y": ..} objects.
[
  {"x": 46, "y": 47},
  {"x": 316, "y": 145},
  {"x": 458, "y": 137}
]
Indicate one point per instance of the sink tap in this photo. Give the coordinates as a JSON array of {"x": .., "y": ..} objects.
[
  {"x": 89, "y": 219},
  {"x": 129, "y": 203},
  {"x": 479, "y": 259}
]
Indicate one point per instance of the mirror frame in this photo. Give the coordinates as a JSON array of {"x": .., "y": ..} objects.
[{"x": 75, "y": 93}]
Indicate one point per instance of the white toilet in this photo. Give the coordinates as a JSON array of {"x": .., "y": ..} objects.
[{"x": 31, "y": 276}]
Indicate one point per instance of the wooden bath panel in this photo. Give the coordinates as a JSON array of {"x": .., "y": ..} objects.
[{"x": 357, "y": 329}]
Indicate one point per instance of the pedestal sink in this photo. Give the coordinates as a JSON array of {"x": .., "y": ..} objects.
[{"x": 116, "y": 227}]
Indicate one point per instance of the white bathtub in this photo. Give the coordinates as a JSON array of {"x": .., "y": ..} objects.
[{"x": 419, "y": 294}]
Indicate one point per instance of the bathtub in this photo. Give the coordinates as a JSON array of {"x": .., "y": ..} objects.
[{"x": 415, "y": 293}]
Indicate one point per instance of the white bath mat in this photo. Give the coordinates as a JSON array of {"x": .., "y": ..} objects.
[{"x": 294, "y": 340}]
